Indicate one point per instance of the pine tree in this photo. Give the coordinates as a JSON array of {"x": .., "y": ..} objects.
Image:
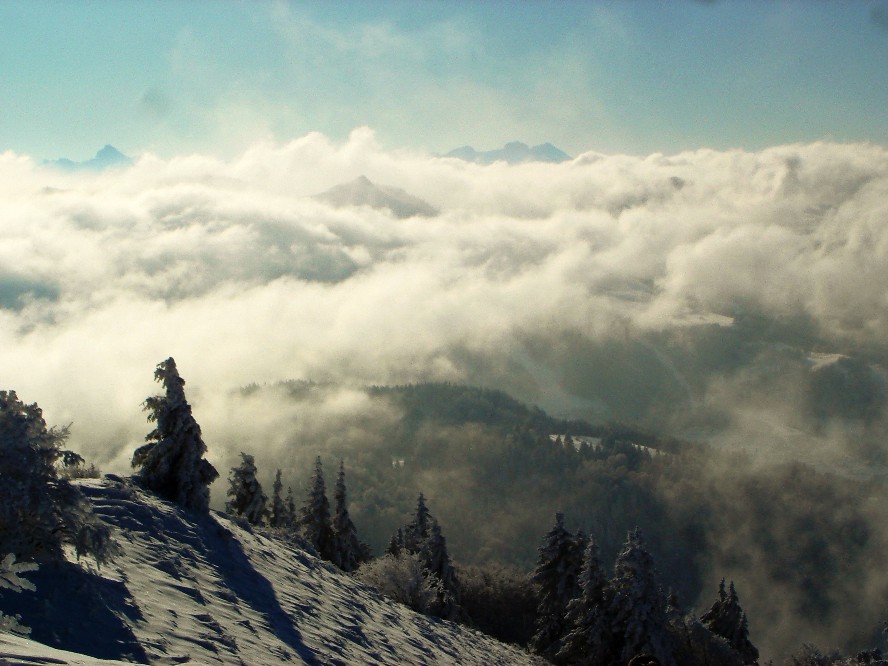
[
  {"x": 40, "y": 512},
  {"x": 396, "y": 543},
  {"x": 727, "y": 619},
  {"x": 279, "y": 514},
  {"x": 315, "y": 520},
  {"x": 348, "y": 551},
  {"x": 171, "y": 463},
  {"x": 10, "y": 579},
  {"x": 638, "y": 608},
  {"x": 417, "y": 530},
  {"x": 248, "y": 500},
  {"x": 556, "y": 574},
  {"x": 422, "y": 537},
  {"x": 437, "y": 563},
  {"x": 589, "y": 640},
  {"x": 290, "y": 519}
]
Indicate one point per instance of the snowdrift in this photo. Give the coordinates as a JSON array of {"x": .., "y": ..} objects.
[{"x": 208, "y": 590}]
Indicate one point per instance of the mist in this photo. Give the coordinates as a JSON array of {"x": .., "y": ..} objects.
[
  {"x": 735, "y": 298},
  {"x": 609, "y": 287}
]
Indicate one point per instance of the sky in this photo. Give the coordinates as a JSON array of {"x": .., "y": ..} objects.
[{"x": 639, "y": 77}]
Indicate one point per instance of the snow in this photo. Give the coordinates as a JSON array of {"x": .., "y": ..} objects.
[
  {"x": 25, "y": 652},
  {"x": 211, "y": 590}
]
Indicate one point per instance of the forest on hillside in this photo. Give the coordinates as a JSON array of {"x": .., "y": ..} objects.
[{"x": 804, "y": 545}]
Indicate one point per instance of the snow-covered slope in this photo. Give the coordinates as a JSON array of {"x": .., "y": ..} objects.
[
  {"x": 22, "y": 651},
  {"x": 209, "y": 591}
]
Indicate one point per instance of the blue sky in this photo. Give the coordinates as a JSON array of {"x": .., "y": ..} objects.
[{"x": 636, "y": 77}]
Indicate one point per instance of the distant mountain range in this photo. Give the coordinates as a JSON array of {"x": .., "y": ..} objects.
[
  {"x": 107, "y": 158},
  {"x": 362, "y": 192},
  {"x": 514, "y": 152}
]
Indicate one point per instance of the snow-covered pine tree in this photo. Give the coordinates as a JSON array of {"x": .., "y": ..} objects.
[
  {"x": 10, "y": 579},
  {"x": 280, "y": 516},
  {"x": 556, "y": 574},
  {"x": 245, "y": 491},
  {"x": 589, "y": 640},
  {"x": 396, "y": 543},
  {"x": 315, "y": 520},
  {"x": 638, "y": 607},
  {"x": 417, "y": 530},
  {"x": 171, "y": 463},
  {"x": 40, "y": 512},
  {"x": 727, "y": 619},
  {"x": 348, "y": 551},
  {"x": 437, "y": 563}
]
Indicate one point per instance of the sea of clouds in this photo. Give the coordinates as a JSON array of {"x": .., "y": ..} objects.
[{"x": 695, "y": 293}]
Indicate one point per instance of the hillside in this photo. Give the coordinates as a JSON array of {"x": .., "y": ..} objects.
[
  {"x": 206, "y": 590},
  {"x": 494, "y": 477}
]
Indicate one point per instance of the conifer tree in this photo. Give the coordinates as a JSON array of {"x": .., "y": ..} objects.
[
  {"x": 556, "y": 574},
  {"x": 727, "y": 619},
  {"x": 417, "y": 530},
  {"x": 290, "y": 521},
  {"x": 437, "y": 564},
  {"x": 348, "y": 551},
  {"x": 40, "y": 512},
  {"x": 10, "y": 579},
  {"x": 245, "y": 491},
  {"x": 589, "y": 639},
  {"x": 396, "y": 543},
  {"x": 422, "y": 537},
  {"x": 171, "y": 463},
  {"x": 278, "y": 517},
  {"x": 638, "y": 606},
  {"x": 315, "y": 521}
]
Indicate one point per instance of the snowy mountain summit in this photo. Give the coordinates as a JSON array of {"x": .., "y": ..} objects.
[
  {"x": 187, "y": 588},
  {"x": 107, "y": 158},
  {"x": 363, "y": 192},
  {"x": 514, "y": 152}
]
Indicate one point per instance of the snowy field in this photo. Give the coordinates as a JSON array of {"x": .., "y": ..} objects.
[{"x": 208, "y": 591}]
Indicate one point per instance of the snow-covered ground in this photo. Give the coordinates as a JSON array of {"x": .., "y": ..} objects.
[
  {"x": 20, "y": 651},
  {"x": 210, "y": 591}
]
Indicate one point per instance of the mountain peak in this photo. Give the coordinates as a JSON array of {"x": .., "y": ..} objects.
[
  {"x": 514, "y": 152},
  {"x": 109, "y": 151},
  {"x": 363, "y": 192},
  {"x": 108, "y": 157}
]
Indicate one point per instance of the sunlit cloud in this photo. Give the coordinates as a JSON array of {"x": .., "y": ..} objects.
[{"x": 234, "y": 268}]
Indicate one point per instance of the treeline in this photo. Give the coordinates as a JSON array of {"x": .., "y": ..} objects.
[
  {"x": 584, "y": 617},
  {"x": 801, "y": 542}
]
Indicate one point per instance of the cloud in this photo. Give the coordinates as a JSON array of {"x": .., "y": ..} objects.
[{"x": 597, "y": 286}]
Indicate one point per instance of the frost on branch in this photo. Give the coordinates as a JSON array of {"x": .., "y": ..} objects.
[
  {"x": 245, "y": 491},
  {"x": 41, "y": 513},
  {"x": 10, "y": 579},
  {"x": 171, "y": 463}
]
